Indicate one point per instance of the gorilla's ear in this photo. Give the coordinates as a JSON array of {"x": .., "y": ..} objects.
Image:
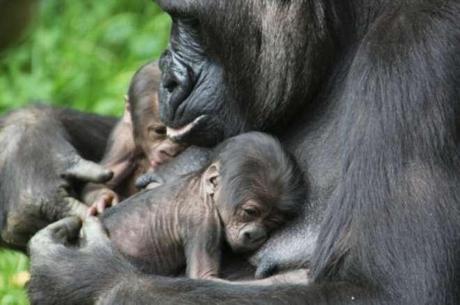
[{"x": 211, "y": 179}]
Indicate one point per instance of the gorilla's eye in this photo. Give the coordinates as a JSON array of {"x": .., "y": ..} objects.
[
  {"x": 251, "y": 212},
  {"x": 170, "y": 85},
  {"x": 274, "y": 222},
  {"x": 160, "y": 130},
  {"x": 157, "y": 131}
]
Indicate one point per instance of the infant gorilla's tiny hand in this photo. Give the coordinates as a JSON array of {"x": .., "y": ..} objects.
[{"x": 105, "y": 198}]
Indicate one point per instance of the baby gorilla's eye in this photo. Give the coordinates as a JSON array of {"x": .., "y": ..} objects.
[
  {"x": 273, "y": 223},
  {"x": 157, "y": 131},
  {"x": 161, "y": 130},
  {"x": 251, "y": 212}
]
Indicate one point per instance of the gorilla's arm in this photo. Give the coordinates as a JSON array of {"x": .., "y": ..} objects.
[
  {"x": 107, "y": 278},
  {"x": 39, "y": 164},
  {"x": 83, "y": 281},
  {"x": 88, "y": 132}
]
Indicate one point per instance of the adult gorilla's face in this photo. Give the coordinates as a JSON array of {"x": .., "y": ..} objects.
[{"x": 235, "y": 65}]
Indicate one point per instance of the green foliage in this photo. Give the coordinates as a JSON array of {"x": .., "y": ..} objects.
[
  {"x": 78, "y": 54},
  {"x": 82, "y": 54},
  {"x": 13, "y": 275}
]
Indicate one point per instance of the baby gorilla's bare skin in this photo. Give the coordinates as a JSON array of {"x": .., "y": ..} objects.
[
  {"x": 165, "y": 229},
  {"x": 236, "y": 198},
  {"x": 137, "y": 144}
]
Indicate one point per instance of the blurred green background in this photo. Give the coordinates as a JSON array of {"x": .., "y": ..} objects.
[
  {"x": 78, "y": 54},
  {"x": 82, "y": 53}
]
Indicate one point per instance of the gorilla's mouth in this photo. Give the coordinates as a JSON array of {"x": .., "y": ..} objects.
[{"x": 179, "y": 134}]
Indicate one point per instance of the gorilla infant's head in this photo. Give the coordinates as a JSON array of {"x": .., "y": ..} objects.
[
  {"x": 236, "y": 65},
  {"x": 256, "y": 186}
]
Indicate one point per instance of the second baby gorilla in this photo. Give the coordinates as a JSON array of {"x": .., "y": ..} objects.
[
  {"x": 137, "y": 144},
  {"x": 250, "y": 187}
]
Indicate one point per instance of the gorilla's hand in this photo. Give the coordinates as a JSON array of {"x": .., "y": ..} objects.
[
  {"x": 38, "y": 170},
  {"x": 288, "y": 249},
  {"x": 102, "y": 199},
  {"x": 43, "y": 197},
  {"x": 66, "y": 260},
  {"x": 74, "y": 168},
  {"x": 67, "y": 236}
]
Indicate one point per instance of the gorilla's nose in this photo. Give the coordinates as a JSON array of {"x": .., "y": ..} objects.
[
  {"x": 176, "y": 84},
  {"x": 254, "y": 237}
]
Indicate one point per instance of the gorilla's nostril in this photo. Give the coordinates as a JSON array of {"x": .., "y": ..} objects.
[
  {"x": 171, "y": 85},
  {"x": 177, "y": 83},
  {"x": 254, "y": 237}
]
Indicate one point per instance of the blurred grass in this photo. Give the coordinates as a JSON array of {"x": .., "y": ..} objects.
[
  {"x": 82, "y": 53},
  {"x": 13, "y": 275},
  {"x": 78, "y": 54}
]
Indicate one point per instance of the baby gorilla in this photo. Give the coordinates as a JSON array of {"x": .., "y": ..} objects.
[
  {"x": 250, "y": 187},
  {"x": 137, "y": 143}
]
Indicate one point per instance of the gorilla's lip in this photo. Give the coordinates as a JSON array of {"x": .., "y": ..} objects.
[{"x": 177, "y": 133}]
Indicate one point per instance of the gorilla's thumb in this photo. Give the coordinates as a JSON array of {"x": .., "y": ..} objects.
[
  {"x": 85, "y": 170},
  {"x": 93, "y": 231},
  {"x": 73, "y": 207},
  {"x": 57, "y": 233}
]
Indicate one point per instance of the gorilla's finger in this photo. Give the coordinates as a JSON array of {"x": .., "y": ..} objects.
[
  {"x": 142, "y": 181},
  {"x": 57, "y": 233},
  {"x": 109, "y": 199},
  {"x": 93, "y": 231},
  {"x": 85, "y": 170},
  {"x": 92, "y": 211},
  {"x": 147, "y": 179},
  {"x": 299, "y": 276},
  {"x": 265, "y": 270},
  {"x": 115, "y": 200},
  {"x": 66, "y": 229},
  {"x": 71, "y": 225},
  {"x": 101, "y": 205},
  {"x": 73, "y": 207}
]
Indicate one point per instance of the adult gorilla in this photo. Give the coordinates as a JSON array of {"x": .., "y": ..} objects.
[{"x": 365, "y": 93}]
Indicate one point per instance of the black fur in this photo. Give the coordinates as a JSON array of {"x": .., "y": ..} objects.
[
  {"x": 366, "y": 95},
  {"x": 38, "y": 144}
]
